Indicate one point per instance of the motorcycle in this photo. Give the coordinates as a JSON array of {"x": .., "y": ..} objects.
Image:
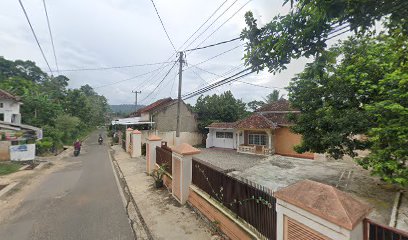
[
  {"x": 100, "y": 141},
  {"x": 76, "y": 152}
]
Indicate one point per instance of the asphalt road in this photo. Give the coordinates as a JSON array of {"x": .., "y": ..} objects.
[{"x": 81, "y": 201}]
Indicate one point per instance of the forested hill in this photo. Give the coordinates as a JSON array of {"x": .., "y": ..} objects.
[{"x": 124, "y": 109}]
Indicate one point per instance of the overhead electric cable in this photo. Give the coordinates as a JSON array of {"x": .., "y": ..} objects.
[
  {"x": 35, "y": 36},
  {"x": 114, "y": 67},
  {"x": 211, "y": 24},
  {"x": 164, "y": 28},
  {"x": 160, "y": 82},
  {"x": 212, "y": 45},
  {"x": 236, "y": 12},
  {"x": 127, "y": 79},
  {"x": 52, "y": 39}
]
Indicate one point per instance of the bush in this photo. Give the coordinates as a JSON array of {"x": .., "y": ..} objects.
[{"x": 45, "y": 145}]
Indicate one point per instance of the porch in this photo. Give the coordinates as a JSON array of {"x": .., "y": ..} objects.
[{"x": 259, "y": 142}]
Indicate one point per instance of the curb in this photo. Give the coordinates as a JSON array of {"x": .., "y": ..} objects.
[
  {"x": 130, "y": 200},
  {"x": 8, "y": 188}
]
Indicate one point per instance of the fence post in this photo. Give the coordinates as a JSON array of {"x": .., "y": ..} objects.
[
  {"x": 137, "y": 144},
  {"x": 318, "y": 211},
  {"x": 182, "y": 156},
  {"x": 128, "y": 136},
  {"x": 153, "y": 141}
]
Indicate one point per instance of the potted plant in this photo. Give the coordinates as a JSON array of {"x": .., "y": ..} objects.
[{"x": 157, "y": 175}]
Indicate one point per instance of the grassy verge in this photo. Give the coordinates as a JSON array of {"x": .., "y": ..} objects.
[{"x": 7, "y": 168}]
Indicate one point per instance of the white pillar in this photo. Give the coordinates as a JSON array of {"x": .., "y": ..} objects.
[
  {"x": 153, "y": 141},
  {"x": 128, "y": 136},
  {"x": 270, "y": 142},
  {"x": 137, "y": 144},
  {"x": 182, "y": 157}
]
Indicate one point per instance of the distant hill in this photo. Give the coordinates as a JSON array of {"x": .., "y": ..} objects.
[{"x": 124, "y": 109}]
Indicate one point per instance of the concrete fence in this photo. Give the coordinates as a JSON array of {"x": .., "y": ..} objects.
[{"x": 304, "y": 210}]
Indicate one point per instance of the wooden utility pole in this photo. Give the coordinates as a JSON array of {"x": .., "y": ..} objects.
[
  {"x": 136, "y": 92},
  {"x": 181, "y": 61}
]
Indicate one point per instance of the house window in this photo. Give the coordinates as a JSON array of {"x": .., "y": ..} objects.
[
  {"x": 219, "y": 134},
  {"x": 257, "y": 139},
  {"x": 1, "y": 105},
  {"x": 1, "y": 116},
  {"x": 228, "y": 135},
  {"x": 224, "y": 135}
]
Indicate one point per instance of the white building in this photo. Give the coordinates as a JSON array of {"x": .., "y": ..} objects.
[{"x": 9, "y": 107}]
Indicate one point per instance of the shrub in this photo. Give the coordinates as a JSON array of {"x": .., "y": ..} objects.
[
  {"x": 144, "y": 149},
  {"x": 44, "y": 145}
]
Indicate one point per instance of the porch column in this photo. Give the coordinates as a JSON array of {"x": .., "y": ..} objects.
[{"x": 270, "y": 142}]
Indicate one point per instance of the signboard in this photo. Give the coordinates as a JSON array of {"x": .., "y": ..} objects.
[{"x": 23, "y": 152}]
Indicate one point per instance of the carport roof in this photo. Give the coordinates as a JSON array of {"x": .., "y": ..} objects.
[{"x": 326, "y": 202}]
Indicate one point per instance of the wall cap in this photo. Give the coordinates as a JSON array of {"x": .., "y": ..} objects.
[
  {"x": 154, "y": 138},
  {"x": 185, "y": 149},
  {"x": 326, "y": 202},
  {"x": 129, "y": 129},
  {"x": 137, "y": 132}
]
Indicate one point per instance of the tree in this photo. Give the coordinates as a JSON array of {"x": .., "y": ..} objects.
[
  {"x": 254, "y": 105},
  {"x": 303, "y": 32},
  {"x": 358, "y": 87},
  {"x": 218, "y": 108},
  {"x": 272, "y": 97}
]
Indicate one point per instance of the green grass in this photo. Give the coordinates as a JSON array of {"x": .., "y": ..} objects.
[{"x": 7, "y": 168}]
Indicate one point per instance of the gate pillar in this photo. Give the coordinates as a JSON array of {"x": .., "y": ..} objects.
[
  {"x": 153, "y": 141},
  {"x": 318, "y": 211},
  {"x": 137, "y": 144},
  {"x": 182, "y": 156}
]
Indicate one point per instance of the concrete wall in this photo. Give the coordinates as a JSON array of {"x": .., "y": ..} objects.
[
  {"x": 192, "y": 138},
  {"x": 9, "y": 109},
  {"x": 4, "y": 150},
  {"x": 166, "y": 119},
  {"x": 213, "y": 141},
  {"x": 285, "y": 140}
]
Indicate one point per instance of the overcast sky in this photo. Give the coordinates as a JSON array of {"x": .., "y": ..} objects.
[{"x": 105, "y": 33}]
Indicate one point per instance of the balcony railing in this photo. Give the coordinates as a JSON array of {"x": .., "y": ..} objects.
[{"x": 255, "y": 149}]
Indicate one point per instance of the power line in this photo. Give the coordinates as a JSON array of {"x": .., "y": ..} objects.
[
  {"x": 212, "y": 45},
  {"x": 114, "y": 67},
  {"x": 160, "y": 82},
  {"x": 35, "y": 36},
  {"x": 211, "y": 23},
  {"x": 257, "y": 85},
  {"x": 211, "y": 58},
  {"x": 52, "y": 39},
  {"x": 236, "y": 12},
  {"x": 127, "y": 79},
  {"x": 164, "y": 28}
]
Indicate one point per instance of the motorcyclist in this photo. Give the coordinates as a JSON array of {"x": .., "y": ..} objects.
[{"x": 100, "y": 139}]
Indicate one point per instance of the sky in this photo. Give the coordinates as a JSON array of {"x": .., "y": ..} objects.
[{"x": 106, "y": 33}]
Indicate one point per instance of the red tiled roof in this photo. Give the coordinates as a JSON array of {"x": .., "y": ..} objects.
[
  {"x": 278, "y": 118},
  {"x": 7, "y": 95},
  {"x": 222, "y": 125},
  {"x": 280, "y": 105},
  {"x": 326, "y": 202},
  {"x": 156, "y": 104},
  {"x": 255, "y": 121}
]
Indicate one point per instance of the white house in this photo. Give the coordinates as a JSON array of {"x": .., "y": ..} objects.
[{"x": 9, "y": 107}]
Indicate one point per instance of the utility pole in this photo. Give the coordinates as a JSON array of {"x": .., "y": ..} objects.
[
  {"x": 136, "y": 92},
  {"x": 181, "y": 61}
]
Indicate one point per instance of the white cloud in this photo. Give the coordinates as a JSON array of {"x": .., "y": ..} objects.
[{"x": 101, "y": 33}]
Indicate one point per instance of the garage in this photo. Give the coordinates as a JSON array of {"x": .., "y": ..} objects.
[{"x": 221, "y": 135}]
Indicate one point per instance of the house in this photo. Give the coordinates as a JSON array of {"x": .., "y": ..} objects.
[
  {"x": 9, "y": 107},
  {"x": 161, "y": 119},
  {"x": 265, "y": 132},
  {"x": 17, "y": 141}
]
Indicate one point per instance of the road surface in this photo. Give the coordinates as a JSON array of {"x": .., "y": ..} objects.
[{"x": 81, "y": 201}]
